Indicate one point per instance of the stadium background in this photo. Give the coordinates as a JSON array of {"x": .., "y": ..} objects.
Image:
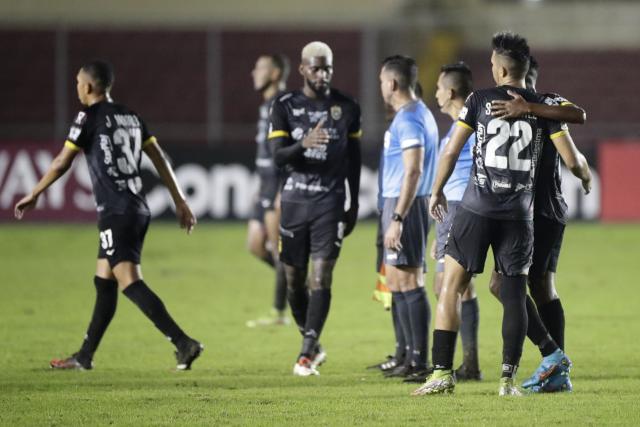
[{"x": 184, "y": 66}]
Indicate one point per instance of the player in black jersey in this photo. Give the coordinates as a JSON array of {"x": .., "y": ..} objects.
[
  {"x": 269, "y": 78},
  {"x": 496, "y": 209},
  {"x": 546, "y": 317},
  {"x": 316, "y": 135},
  {"x": 112, "y": 138}
]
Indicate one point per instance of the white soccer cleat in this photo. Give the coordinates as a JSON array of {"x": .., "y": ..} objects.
[
  {"x": 508, "y": 388},
  {"x": 319, "y": 358},
  {"x": 304, "y": 368}
]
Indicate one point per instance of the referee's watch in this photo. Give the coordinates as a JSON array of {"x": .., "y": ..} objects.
[{"x": 396, "y": 217}]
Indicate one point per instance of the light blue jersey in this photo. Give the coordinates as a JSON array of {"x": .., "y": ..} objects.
[
  {"x": 413, "y": 126},
  {"x": 457, "y": 183}
]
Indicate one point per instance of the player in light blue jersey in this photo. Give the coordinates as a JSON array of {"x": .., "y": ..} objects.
[
  {"x": 410, "y": 146},
  {"x": 454, "y": 85}
]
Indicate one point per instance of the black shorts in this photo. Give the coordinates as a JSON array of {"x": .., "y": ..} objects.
[
  {"x": 308, "y": 229},
  {"x": 122, "y": 237},
  {"x": 266, "y": 198},
  {"x": 415, "y": 228},
  {"x": 442, "y": 233},
  {"x": 547, "y": 241},
  {"x": 472, "y": 234}
]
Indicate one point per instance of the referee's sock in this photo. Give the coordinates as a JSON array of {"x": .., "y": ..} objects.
[
  {"x": 469, "y": 321},
  {"x": 400, "y": 302},
  {"x": 513, "y": 294},
  {"x": 401, "y": 343},
  {"x": 299, "y": 303},
  {"x": 552, "y": 315},
  {"x": 103, "y": 311},
  {"x": 536, "y": 331},
  {"x": 154, "y": 309},
  {"x": 419, "y": 317},
  {"x": 280, "y": 294},
  {"x": 319, "y": 303}
]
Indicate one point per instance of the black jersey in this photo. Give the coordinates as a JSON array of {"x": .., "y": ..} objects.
[
  {"x": 264, "y": 153},
  {"x": 318, "y": 174},
  {"x": 505, "y": 155},
  {"x": 549, "y": 201},
  {"x": 112, "y": 138}
]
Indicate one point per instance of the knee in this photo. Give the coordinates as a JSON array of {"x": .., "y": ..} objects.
[
  {"x": 494, "y": 286},
  {"x": 543, "y": 289},
  {"x": 295, "y": 277}
]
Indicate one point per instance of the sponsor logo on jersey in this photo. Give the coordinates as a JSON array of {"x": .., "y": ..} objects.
[
  {"x": 74, "y": 133},
  {"x": 316, "y": 116},
  {"x": 501, "y": 183},
  {"x": 297, "y": 111},
  {"x": 463, "y": 113},
  {"x": 81, "y": 117},
  {"x": 297, "y": 134},
  {"x": 336, "y": 112}
]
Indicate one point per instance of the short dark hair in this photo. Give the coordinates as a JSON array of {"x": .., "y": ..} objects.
[
  {"x": 461, "y": 78},
  {"x": 405, "y": 70},
  {"x": 101, "y": 73},
  {"x": 532, "y": 74},
  {"x": 281, "y": 62},
  {"x": 515, "y": 48}
]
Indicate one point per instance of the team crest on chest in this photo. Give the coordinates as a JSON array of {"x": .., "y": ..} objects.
[{"x": 336, "y": 112}]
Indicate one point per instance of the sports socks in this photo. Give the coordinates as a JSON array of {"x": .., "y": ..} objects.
[
  {"x": 444, "y": 347},
  {"x": 299, "y": 302},
  {"x": 319, "y": 303},
  {"x": 401, "y": 342},
  {"x": 149, "y": 303},
  {"x": 399, "y": 301},
  {"x": 103, "y": 311},
  {"x": 280, "y": 294},
  {"x": 513, "y": 293},
  {"x": 419, "y": 317},
  {"x": 469, "y": 322},
  {"x": 536, "y": 331},
  {"x": 552, "y": 315}
]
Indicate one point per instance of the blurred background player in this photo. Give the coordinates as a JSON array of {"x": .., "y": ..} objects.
[
  {"x": 112, "y": 138},
  {"x": 269, "y": 79},
  {"x": 410, "y": 146},
  {"x": 546, "y": 317},
  {"x": 454, "y": 85},
  {"x": 496, "y": 210},
  {"x": 316, "y": 135}
]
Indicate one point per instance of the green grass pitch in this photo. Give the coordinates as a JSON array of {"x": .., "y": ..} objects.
[{"x": 211, "y": 286}]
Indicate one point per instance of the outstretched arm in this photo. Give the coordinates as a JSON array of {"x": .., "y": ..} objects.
[
  {"x": 59, "y": 166},
  {"x": 518, "y": 107},
  {"x": 183, "y": 212}
]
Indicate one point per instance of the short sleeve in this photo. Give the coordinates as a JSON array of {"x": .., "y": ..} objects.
[
  {"x": 278, "y": 121},
  {"x": 355, "y": 130},
  {"x": 468, "y": 116},
  {"x": 410, "y": 134},
  {"x": 557, "y": 129},
  {"x": 147, "y": 137},
  {"x": 79, "y": 133}
]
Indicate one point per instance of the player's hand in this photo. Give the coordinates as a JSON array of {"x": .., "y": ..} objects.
[
  {"x": 351, "y": 217},
  {"x": 392, "y": 236},
  {"x": 317, "y": 137},
  {"x": 185, "y": 216},
  {"x": 517, "y": 107},
  {"x": 438, "y": 207},
  {"x": 24, "y": 205},
  {"x": 432, "y": 252},
  {"x": 586, "y": 185}
]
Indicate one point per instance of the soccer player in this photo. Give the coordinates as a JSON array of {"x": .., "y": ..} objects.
[
  {"x": 496, "y": 209},
  {"x": 316, "y": 135},
  {"x": 112, "y": 138},
  {"x": 454, "y": 84},
  {"x": 269, "y": 78},
  {"x": 546, "y": 317},
  {"x": 410, "y": 146}
]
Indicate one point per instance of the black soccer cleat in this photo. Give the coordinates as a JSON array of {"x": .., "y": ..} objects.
[
  {"x": 399, "y": 371},
  {"x": 389, "y": 363},
  {"x": 417, "y": 375},
  {"x": 71, "y": 363},
  {"x": 187, "y": 354},
  {"x": 465, "y": 374}
]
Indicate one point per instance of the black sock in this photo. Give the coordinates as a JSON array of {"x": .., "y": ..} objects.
[
  {"x": 513, "y": 293},
  {"x": 469, "y": 321},
  {"x": 103, "y": 311},
  {"x": 280, "y": 294},
  {"x": 552, "y": 315},
  {"x": 419, "y": 316},
  {"x": 153, "y": 307},
  {"x": 444, "y": 347},
  {"x": 401, "y": 343},
  {"x": 319, "y": 303},
  {"x": 536, "y": 331},
  {"x": 267, "y": 258},
  {"x": 405, "y": 323},
  {"x": 299, "y": 302}
]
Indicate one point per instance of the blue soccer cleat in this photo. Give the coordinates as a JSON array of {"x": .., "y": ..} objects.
[
  {"x": 555, "y": 362},
  {"x": 557, "y": 382}
]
